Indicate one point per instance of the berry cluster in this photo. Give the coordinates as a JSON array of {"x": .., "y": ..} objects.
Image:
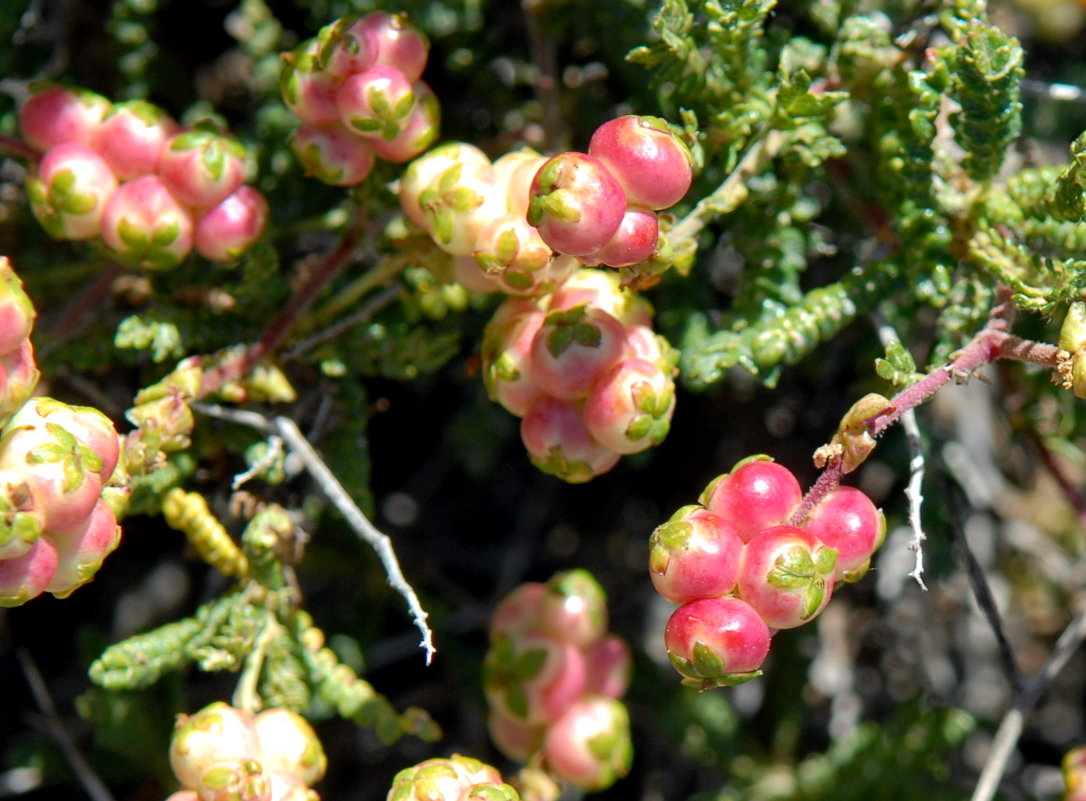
[
  {"x": 126, "y": 172},
  {"x": 600, "y": 206},
  {"x": 222, "y": 753},
  {"x": 456, "y": 778},
  {"x": 60, "y": 483},
  {"x": 553, "y": 678},
  {"x": 474, "y": 210},
  {"x": 356, "y": 86},
  {"x": 740, "y": 571},
  {"x": 584, "y": 370}
]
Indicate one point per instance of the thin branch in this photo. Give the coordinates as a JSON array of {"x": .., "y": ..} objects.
[
  {"x": 545, "y": 58},
  {"x": 363, "y": 315},
  {"x": 94, "y": 786},
  {"x": 341, "y": 499}
]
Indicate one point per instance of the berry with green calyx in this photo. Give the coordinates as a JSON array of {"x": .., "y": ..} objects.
[
  {"x": 717, "y": 642},
  {"x": 70, "y": 191},
  {"x": 576, "y": 204}
]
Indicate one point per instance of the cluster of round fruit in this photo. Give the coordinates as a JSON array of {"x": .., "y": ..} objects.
[
  {"x": 740, "y": 571},
  {"x": 474, "y": 210},
  {"x": 356, "y": 86},
  {"x": 584, "y": 370},
  {"x": 223, "y": 753},
  {"x": 600, "y": 206},
  {"x": 60, "y": 484},
  {"x": 455, "y": 778},
  {"x": 553, "y": 678},
  {"x": 128, "y": 173}
]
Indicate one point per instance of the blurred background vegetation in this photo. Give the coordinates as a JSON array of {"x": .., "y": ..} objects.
[{"x": 892, "y": 693}]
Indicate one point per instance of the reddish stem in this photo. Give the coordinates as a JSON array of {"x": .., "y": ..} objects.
[
  {"x": 232, "y": 369},
  {"x": 19, "y": 148}
]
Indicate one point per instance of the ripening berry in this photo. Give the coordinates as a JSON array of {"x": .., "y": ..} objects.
[
  {"x": 70, "y": 191},
  {"x": 25, "y": 577},
  {"x": 17, "y": 313},
  {"x": 573, "y": 608},
  {"x": 558, "y": 443},
  {"x": 756, "y": 494},
  {"x": 458, "y": 203},
  {"x": 81, "y": 550},
  {"x": 308, "y": 90},
  {"x": 573, "y": 348},
  {"x": 418, "y": 131},
  {"x": 216, "y": 733},
  {"x": 19, "y": 376},
  {"x": 694, "y": 555},
  {"x": 55, "y": 115},
  {"x": 653, "y": 165},
  {"x": 509, "y": 249},
  {"x": 458, "y": 778},
  {"x": 576, "y": 204},
  {"x": 288, "y": 743},
  {"x": 224, "y": 232},
  {"x": 202, "y": 167},
  {"x": 333, "y": 155},
  {"x": 506, "y": 355},
  {"x": 848, "y": 521},
  {"x": 345, "y": 47},
  {"x": 235, "y": 779},
  {"x": 787, "y": 575},
  {"x": 131, "y": 138},
  {"x": 472, "y": 277},
  {"x": 608, "y": 666},
  {"x": 399, "y": 44},
  {"x": 634, "y": 242},
  {"x": 603, "y": 289},
  {"x": 629, "y": 407},
  {"x": 21, "y": 516},
  {"x": 427, "y": 167},
  {"x": 518, "y": 612},
  {"x": 533, "y": 677},
  {"x": 715, "y": 642},
  {"x": 514, "y": 738},
  {"x": 144, "y": 224},
  {"x": 515, "y": 171},
  {"x": 589, "y": 746},
  {"x": 375, "y": 103}
]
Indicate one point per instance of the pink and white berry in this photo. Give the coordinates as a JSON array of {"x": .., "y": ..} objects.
[
  {"x": 307, "y": 89},
  {"x": 590, "y": 746},
  {"x": 399, "y": 44},
  {"x": 25, "y": 577},
  {"x": 224, "y": 232},
  {"x": 216, "y": 733},
  {"x": 421, "y": 172},
  {"x": 756, "y": 494},
  {"x": 694, "y": 555},
  {"x": 55, "y": 115},
  {"x": 289, "y": 744},
  {"x": 576, "y": 203},
  {"x": 81, "y": 550},
  {"x": 558, "y": 443},
  {"x": 653, "y": 165},
  {"x": 202, "y": 167},
  {"x": 532, "y": 677},
  {"x": 787, "y": 575},
  {"x": 714, "y": 642},
  {"x": 573, "y": 348},
  {"x": 332, "y": 154},
  {"x": 629, "y": 407},
  {"x": 144, "y": 224},
  {"x": 375, "y": 103},
  {"x": 635, "y": 241},
  {"x": 418, "y": 130},
  {"x": 131, "y": 138},
  {"x": 506, "y": 353},
  {"x": 70, "y": 191},
  {"x": 849, "y": 522}
]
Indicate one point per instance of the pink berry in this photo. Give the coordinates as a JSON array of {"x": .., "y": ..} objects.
[
  {"x": 511, "y": 250},
  {"x": 224, "y": 232},
  {"x": 333, "y": 155},
  {"x": 533, "y": 678},
  {"x": 17, "y": 313},
  {"x": 694, "y": 555},
  {"x": 419, "y": 130},
  {"x": 609, "y": 665},
  {"x": 308, "y": 90},
  {"x": 71, "y": 190},
  {"x": 19, "y": 376},
  {"x": 202, "y": 167},
  {"x": 635, "y": 240},
  {"x": 573, "y": 348},
  {"x": 25, "y": 577},
  {"x": 421, "y": 172},
  {"x": 787, "y": 575},
  {"x": 589, "y": 746},
  {"x": 716, "y": 642},
  {"x": 603, "y": 289},
  {"x": 518, "y": 612},
  {"x": 21, "y": 516},
  {"x": 559, "y": 444},
  {"x": 515, "y": 171},
  {"x": 514, "y": 738},
  {"x": 81, "y": 550},
  {"x": 472, "y": 277},
  {"x": 848, "y": 521},
  {"x": 576, "y": 204},
  {"x": 653, "y": 165},
  {"x": 629, "y": 407},
  {"x": 573, "y": 608},
  {"x": 506, "y": 354},
  {"x": 758, "y": 493},
  {"x": 144, "y": 224},
  {"x": 375, "y": 103},
  {"x": 131, "y": 138},
  {"x": 346, "y": 46},
  {"x": 57, "y": 115},
  {"x": 399, "y": 44}
]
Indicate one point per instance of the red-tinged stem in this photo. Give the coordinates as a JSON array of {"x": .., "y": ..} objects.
[
  {"x": 989, "y": 344},
  {"x": 17, "y": 147},
  {"x": 234, "y": 368}
]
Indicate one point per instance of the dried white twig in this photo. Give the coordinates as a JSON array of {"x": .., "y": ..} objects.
[
  {"x": 275, "y": 450},
  {"x": 341, "y": 499},
  {"x": 913, "y": 491}
]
